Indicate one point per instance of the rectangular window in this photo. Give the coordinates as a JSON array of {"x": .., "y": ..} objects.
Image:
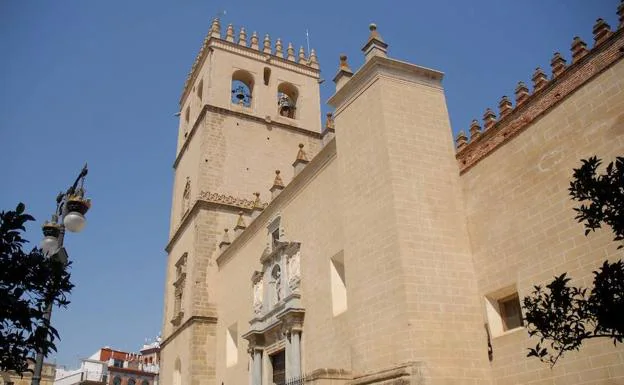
[
  {"x": 231, "y": 345},
  {"x": 338, "y": 284},
  {"x": 118, "y": 363},
  {"x": 200, "y": 90},
  {"x": 510, "y": 311},
  {"x": 503, "y": 310}
]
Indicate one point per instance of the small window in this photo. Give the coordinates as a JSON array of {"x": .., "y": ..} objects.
[
  {"x": 200, "y": 89},
  {"x": 187, "y": 115},
  {"x": 503, "y": 311},
  {"x": 231, "y": 345},
  {"x": 145, "y": 382},
  {"x": 132, "y": 381},
  {"x": 267, "y": 75},
  {"x": 117, "y": 380},
  {"x": 118, "y": 363},
  {"x": 510, "y": 311},
  {"x": 338, "y": 284}
]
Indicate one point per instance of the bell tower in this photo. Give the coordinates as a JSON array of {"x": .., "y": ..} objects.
[{"x": 246, "y": 107}]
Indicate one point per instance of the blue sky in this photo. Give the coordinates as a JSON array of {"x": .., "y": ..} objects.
[{"x": 100, "y": 81}]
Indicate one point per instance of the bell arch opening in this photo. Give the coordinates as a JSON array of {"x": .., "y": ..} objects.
[
  {"x": 242, "y": 88},
  {"x": 287, "y": 95}
]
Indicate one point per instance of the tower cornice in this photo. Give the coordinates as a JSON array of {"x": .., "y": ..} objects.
[
  {"x": 379, "y": 66},
  {"x": 211, "y": 43}
]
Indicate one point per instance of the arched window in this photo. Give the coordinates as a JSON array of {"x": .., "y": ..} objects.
[
  {"x": 117, "y": 380},
  {"x": 131, "y": 381},
  {"x": 287, "y": 95},
  {"x": 145, "y": 382},
  {"x": 177, "y": 373},
  {"x": 242, "y": 88}
]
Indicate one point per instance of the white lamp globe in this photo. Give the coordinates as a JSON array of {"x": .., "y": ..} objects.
[
  {"x": 49, "y": 245},
  {"x": 74, "y": 221}
]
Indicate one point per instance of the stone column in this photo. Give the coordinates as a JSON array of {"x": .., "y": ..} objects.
[
  {"x": 256, "y": 374},
  {"x": 295, "y": 345}
]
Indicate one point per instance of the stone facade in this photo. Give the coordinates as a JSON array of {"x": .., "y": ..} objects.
[
  {"x": 47, "y": 376},
  {"x": 385, "y": 255}
]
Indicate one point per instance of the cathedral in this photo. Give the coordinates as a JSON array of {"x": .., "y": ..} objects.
[{"x": 369, "y": 246}]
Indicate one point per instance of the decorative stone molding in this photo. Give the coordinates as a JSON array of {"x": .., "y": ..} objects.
[{"x": 227, "y": 200}]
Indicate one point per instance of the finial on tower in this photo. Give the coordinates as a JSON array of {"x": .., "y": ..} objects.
[
  {"x": 279, "y": 51},
  {"x": 344, "y": 72},
  {"x": 254, "y": 40},
  {"x": 313, "y": 59},
  {"x": 278, "y": 185},
  {"x": 215, "y": 29},
  {"x": 229, "y": 33},
  {"x": 301, "y": 161},
  {"x": 242, "y": 37},
  {"x": 240, "y": 224},
  {"x": 375, "y": 46},
  {"x": 257, "y": 206},
  {"x": 267, "y": 44},
  {"x": 290, "y": 51},
  {"x": 302, "y": 58}
]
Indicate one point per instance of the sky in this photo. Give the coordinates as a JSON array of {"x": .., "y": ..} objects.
[{"x": 99, "y": 82}]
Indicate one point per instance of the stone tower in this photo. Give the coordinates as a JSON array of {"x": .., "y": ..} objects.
[{"x": 246, "y": 107}]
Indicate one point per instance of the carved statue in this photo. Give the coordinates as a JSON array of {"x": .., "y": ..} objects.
[
  {"x": 294, "y": 273},
  {"x": 258, "y": 294},
  {"x": 276, "y": 274}
]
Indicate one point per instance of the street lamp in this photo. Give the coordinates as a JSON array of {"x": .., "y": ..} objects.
[{"x": 71, "y": 206}]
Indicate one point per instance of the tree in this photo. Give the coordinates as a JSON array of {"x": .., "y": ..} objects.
[
  {"x": 29, "y": 281},
  {"x": 564, "y": 316}
]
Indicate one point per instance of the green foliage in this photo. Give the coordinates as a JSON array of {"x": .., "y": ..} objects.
[
  {"x": 563, "y": 316},
  {"x": 28, "y": 283}
]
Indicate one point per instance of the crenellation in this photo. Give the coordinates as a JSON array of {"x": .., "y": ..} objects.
[
  {"x": 579, "y": 49},
  {"x": 504, "y": 106},
  {"x": 475, "y": 130},
  {"x": 461, "y": 140},
  {"x": 557, "y": 64},
  {"x": 489, "y": 119},
  {"x": 601, "y": 31},
  {"x": 522, "y": 93},
  {"x": 469, "y": 153}
]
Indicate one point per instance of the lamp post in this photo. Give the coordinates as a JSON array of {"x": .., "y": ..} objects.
[{"x": 71, "y": 206}]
